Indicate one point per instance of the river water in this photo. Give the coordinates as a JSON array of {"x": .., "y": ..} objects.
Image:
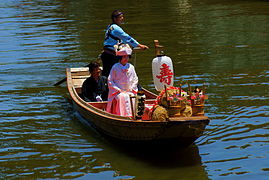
[{"x": 222, "y": 43}]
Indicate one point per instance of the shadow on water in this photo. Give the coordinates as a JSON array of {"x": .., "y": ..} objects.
[
  {"x": 143, "y": 161},
  {"x": 162, "y": 157}
]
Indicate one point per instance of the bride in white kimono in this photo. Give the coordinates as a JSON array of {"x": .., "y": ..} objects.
[{"x": 122, "y": 82}]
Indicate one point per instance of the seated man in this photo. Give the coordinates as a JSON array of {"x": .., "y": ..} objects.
[
  {"x": 95, "y": 88},
  {"x": 122, "y": 82}
]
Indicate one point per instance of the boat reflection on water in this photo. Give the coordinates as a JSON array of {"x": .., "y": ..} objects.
[
  {"x": 141, "y": 161},
  {"x": 152, "y": 163}
]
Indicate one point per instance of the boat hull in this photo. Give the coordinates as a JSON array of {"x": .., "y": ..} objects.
[{"x": 184, "y": 130}]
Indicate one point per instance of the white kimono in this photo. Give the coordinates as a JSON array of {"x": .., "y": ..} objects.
[{"x": 122, "y": 82}]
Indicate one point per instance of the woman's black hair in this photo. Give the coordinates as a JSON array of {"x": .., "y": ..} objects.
[
  {"x": 93, "y": 65},
  {"x": 116, "y": 14},
  {"x": 120, "y": 57}
]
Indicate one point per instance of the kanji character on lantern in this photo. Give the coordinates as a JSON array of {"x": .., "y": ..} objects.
[{"x": 165, "y": 74}]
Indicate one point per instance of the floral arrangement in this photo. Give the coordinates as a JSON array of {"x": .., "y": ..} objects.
[{"x": 175, "y": 97}]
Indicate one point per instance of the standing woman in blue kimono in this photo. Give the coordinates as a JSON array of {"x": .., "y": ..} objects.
[{"x": 115, "y": 35}]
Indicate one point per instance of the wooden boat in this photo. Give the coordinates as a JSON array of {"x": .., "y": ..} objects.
[{"x": 184, "y": 130}]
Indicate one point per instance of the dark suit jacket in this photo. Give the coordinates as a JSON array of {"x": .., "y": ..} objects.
[{"x": 92, "y": 88}]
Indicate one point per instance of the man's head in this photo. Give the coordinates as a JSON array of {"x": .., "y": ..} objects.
[
  {"x": 117, "y": 17},
  {"x": 94, "y": 68}
]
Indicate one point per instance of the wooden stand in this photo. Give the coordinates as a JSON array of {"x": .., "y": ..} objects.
[
  {"x": 198, "y": 110},
  {"x": 174, "y": 111}
]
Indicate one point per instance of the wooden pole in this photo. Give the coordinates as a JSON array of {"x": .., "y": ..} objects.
[
  {"x": 180, "y": 90},
  {"x": 190, "y": 94},
  {"x": 203, "y": 88},
  {"x": 189, "y": 87},
  {"x": 132, "y": 106},
  {"x": 166, "y": 94},
  {"x": 158, "y": 48}
]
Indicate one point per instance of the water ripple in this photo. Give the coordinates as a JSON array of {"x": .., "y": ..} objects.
[{"x": 220, "y": 44}]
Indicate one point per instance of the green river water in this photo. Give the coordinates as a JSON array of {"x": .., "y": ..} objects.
[{"x": 222, "y": 43}]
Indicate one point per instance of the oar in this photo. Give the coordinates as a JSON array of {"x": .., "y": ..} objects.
[
  {"x": 60, "y": 82},
  {"x": 64, "y": 79},
  {"x": 135, "y": 50}
]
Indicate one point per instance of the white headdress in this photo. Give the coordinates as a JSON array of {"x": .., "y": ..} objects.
[{"x": 123, "y": 50}]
